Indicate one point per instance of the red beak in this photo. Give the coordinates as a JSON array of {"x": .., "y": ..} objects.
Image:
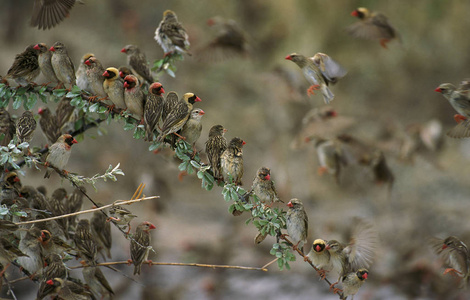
[
  {"x": 152, "y": 226},
  {"x": 444, "y": 246},
  {"x": 225, "y": 130},
  {"x": 87, "y": 62},
  {"x": 126, "y": 84},
  {"x": 36, "y": 47},
  {"x": 333, "y": 113},
  {"x": 438, "y": 90},
  {"x": 244, "y": 143},
  {"x": 365, "y": 276},
  {"x": 121, "y": 74},
  {"x": 162, "y": 91},
  {"x": 40, "y": 111},
  {"x": 16, "y": 179},
  {"x": 268, "y": 177},
  {"x": 210, "y": 22},
  {"x": 354, "y": 13},
  {"x": 52, "y": 49},
  {"x": 74, "y": 141},
  {"x": 288, "y": 57},
  {"x": 123, "y": 50},
  {"x": 105, "y": 74},
  {"x": 290, "y": 204},
  {"x": 197, "y": 99},
  {"x": 50, "y": 282},
  {"x": 317, "y": 248},
  {"x": 201, "y": 112},
  {"x": 327, "y": 247}
]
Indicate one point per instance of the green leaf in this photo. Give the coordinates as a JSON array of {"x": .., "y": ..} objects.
[
  {"x": 129, "y": 126},
  {"x": 182, "y": 166},
  {"x": 94, "y": 107},
  {"x": 4, "y": 210},
  {"x": 17, "y": 102},
  {"x": 200, "y": 174},
  {"x": 43, "y": 98},
  {"x": 280, "y": 263},
  {"x": 4, "y": 158},
  {"x": 102, "y": 109},
  {"x": 59, "y": 93},
  {"x": 21, "y": 91},
  {"x": 76, "y": 90},
  {"x": 30, "y": 102},
  {"x": 195, "y": 164}
]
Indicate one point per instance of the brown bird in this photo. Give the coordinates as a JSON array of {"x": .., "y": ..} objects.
[
  {"x": 231, "y": 161},
  {"x": 30, "y": 244},
  {"x": 178, "y": 115},
  {"x": 64, "y": 112},
  {"x": 25, "y": 127},
  {"x": 82, "y": 78},
  {"x": 133, "y": 96},
  {"x": 192, "y": 129},
  {"x": 121, "y": 216},
  {"x": 49, "y": 13},
  {"x": 353, "y": 281},
  {"x": 140, "y": 245},
  {"x": 69, "y": 290},
  {"x": 459, "y": 98},
  {"x": 137, "y": 60},
  {"x": 48, "y": 124},
  {"x": 263, "y": 186},
  {"x": 59, "y": 153},
  {"x": 114, "y": 87},
  {"x": 55, "y": 268},
  {"x": 372, "y": 26},
  {"x": 85, "y": 242},
  {"x": 101, "y": 230},
  {"x": 7, "y": 127},
  {"x": 124, "y": 71},
  {"x": 171, "y": 101},
  {"x": 74, "y": 204},
  {"x": 94, "y": 71},
  {"x": 96, "y": 281},
  {"x": 455, "y": 254},
  {"x": 62, "y": 64},
  {"x": 153, "y": 108},
  {"x": 297, "y": 223},
  {"x": 44, "y": 60},
  {"x": 25, "y": 67},
  {"x": 171, "y": 35},
  {"x": 215, "y": 146}
]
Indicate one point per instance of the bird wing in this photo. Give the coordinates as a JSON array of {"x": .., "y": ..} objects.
[
  {"x": 63, "y": 112},
  {"x": 455, "y": 257},
  {"x": 461, "y": 130},
  {"x": 330, "y": 69},
  {"x": 362, "y": 246},
  {"x": 176, "y": 33},
  {"x": 373, "y": 28},
  {"x": 170, "y": 101},
  {"x": 49, "y": 13}
]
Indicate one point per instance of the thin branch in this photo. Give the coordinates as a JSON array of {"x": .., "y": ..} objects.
[
  {"x": 10, "y": 290},
  {"x": 177, "y": 264},
  {"x": 269, "y": 263},
  {"x": 117, "y": 202}
]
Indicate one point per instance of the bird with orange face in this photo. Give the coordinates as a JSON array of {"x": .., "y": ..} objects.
[
  {"x": 153, "y": 108},
  {"x": 59, "y": 153}
]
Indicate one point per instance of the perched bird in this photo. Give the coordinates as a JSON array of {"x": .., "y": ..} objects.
[
  {"x": 133, "y": 96},
  {"x": 231, "y": 161},
  {"x": 25, "y": 67},
  {"x": 9, "y": 252},
  {"x": 178, "y": 115},
  {"x": 49, "y": 13},
  {"x": 137, "y": 60},
  {"x": 153, "y": 108},
  {"x": 171, "y": 35},
  {"x": 36, "y": 200},
  {"x": 54, "y": 268},
  {"x": 10, "y": 187},
  {"x": 114, "y": 87},
  {"x": 94, "y": 71},
  {"x": 62, "y": 64},
  {"x": 7, "y": 127},
  {"x": 85, "y": 242},
  {"x": 320, "y": 257},
  {"x": 215, "y": 146},
  {"x": 140, "y": 245},
  {"x": 97, "y": 282},
  {"x": 25, "y": 127},
  {"x": 101, "y": 231},
  {"x": 48, "y": 124},
  {"x": 230, "y": 40},
  {"x": 59, "y": 153},
  {"x": 64, "y": 112},
  {"x": 44, "y": 60},
  {"x": 121, "y": 216},
  {"x": 82, "y": 79},
  {"x": 124, "y": 71},
  {"x": 56, "y": 207},
  {"x": 66, "y": 289},
  {"x": 460, "y": 101},
  {"x": 372, "y": 26},
  {"x": 263, "y": 186},
  {"x": 192, "y": 129},
  {"x": 320, "y": 70},
  {"x": 171, "y": 101},
  {"x": 297, "y": 223},
  {"x": 455, "y": 255},
  {"x": 30, "y": 245},
  {"x": 74, "y": 204},
  {"x": 353, "y": 281}
]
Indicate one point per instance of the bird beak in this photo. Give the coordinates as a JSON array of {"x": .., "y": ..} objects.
[
  {"x": 36, "y": 47},
  {"x": 126, "y": 84},
  {"x": 201, "y": 112},
  {"x": 87, "y": 62},
  {"x": 288, "y": 57},
  {"x": 444, "y": 246},
  {"x": 354, "y": 13},
  {"x": 123, "y": 50},
  {"x": 244, "y": 143},
  {"x": 438, "y": 90},
  {"x": 268, "y": 177},
  {"x": 365, "y": 276},
  {"x": 327, "y": 247},
  {"x": 50, "y": 282},
  {"x": 16, "y": 179},
  {"x": 74, "y": 141},
  {"x": 52, "y": 49},
  {"x": 40, "y": 110},
  {"x": 197, "y": 99},
  {"x": 121, "y": 74},
  {"x": 317, "y": 248},
  {"x": 225, "y": 130},
  {"x": 162, "y": 91},
  {"x": 105, "y": 74},
  {"x": 290, "y": 204},
  {"x": 152, "y": 226}
]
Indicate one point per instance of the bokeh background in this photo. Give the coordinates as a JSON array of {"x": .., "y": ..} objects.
[{"x": 262, "y": 99}]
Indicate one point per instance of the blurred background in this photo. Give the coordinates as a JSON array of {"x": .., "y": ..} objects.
[{"x": 384, "y": 100}]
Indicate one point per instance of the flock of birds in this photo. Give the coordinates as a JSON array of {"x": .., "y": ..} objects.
[{"x": 39, "y": 249}]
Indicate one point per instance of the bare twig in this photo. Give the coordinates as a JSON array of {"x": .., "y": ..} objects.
[{"x": 269, "y": 263}]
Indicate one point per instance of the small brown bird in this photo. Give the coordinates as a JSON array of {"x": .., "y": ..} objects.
[
  {"x": 25, "y": 67},
  {"x": 263, "y": 186},
  {"x": 55, "y": 268},
  {"x": 82, "y": 78},
  {"x": 101, "y": 230},
  {"x": 372, "y": 26},
  {"x": 121, "y": 216},
  {"x": 140, "y": 245},
  {"x": 215, "y": 146},
  {"x": 64, "y": 112},
  {"x": 44, "y": 60},
  {"x": 97, "y": 282},
  {"x": 297, "y": 223},
  {"x": 137, "y": 60},
  {"x": 8, "y": 251},
  {"x": 455, "y": 255},
  {"x": 192, "y": 129},
  {"x": 30, "y": 245},
  {"x": 320, "y": 70},
  {"x": 56, "y": 206},
  {"x": 25, "y": 127},
  {"x": 49, "y": 13},
  {"x": 459, "y": 98},
  {"x": 153, "y": 108},
  {"x": 320, "y": 257},
  {"x": 94, "y": 71},
  {"x": 74, "y": 204},
  {"x": 124, "y": 71},
  {"x": 69, "y": 290},
  {"x": 133, "y": 96},
  {"x": 171, "y": 35},
  {"x": 10, "y": 186},
  {"x": 114, "y": 87},
  {"x": 62, "y": 64},
  {"x": 171, "y": 101},
  {"x": 178, "y": 115},
  {"x": 353, "y": 281},
  {"x": 85, "y": 243},
  {"x": 231, "y": 161},
  {"x": 7, "y": 127},
  {"x": 59, "y": 153},
  {"x": 48, "y": 124}
]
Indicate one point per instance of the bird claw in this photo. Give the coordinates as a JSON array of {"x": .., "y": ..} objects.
[
  {"x": 453, "y": 272},
  {"x": 312, "y": 88},
  {"x": 129, "y": 262},
  {"x": 150, "y": 262},
  {"x": 322, "y": 170},
  {"x": 322, "y": 274},
  {"x": 181, "y": 175},
  {"x": 332, "y": 286},
  {"x": 337, "y": 290}
]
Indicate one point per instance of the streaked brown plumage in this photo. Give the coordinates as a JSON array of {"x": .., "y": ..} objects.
[
  {"x": 171, "y": 35},
  {"x": 153, "y": 108},
  {"x": 8, "y": 251},
  {"x": 25, "y": 127},
  {"x": 140, "y": 247},
  {"x": 297, "y": 223},
  {"x": 193, "y": 127},
  {"x": 101, "y": 230},
  {"x": 178, "y": 115},
  {"x": 44, "y": 60},
  {"x": 137, "y": 60},
  {"x": 85, "y": 243},
  {"x": 49, "y": 13},
  {"x": 171, "y": 101},
  {"x": 97, "y": 282},
  {"x": 7, "y": 127},
  {"x": 64, "y": 112},
  {"x": 94, "y": 71},
  {"x": 59, "y": 153},
  {"x": 25, "y": 67},
  {"x": 69, "y": 290},
  {"x": 121, "y": 216},
  {"x": 263, "y": 186},
  {"x": 231, "y": 161},
  {"x": 62, "y": 64},
  {"x": 133, "y": 96},
  {"x": 48, "y": 124},
  {"x": 353, "y": 281},
  {"x": 114, "y": 87},
  {"x": 74, "y": 204},
  {"x": 82, "y": 78},
  {"x": 57, "y": 208},
  {"x": 215, "y": 146},
  {"x": 31, "y": 246},
  {"x": 55, "y": 268}
]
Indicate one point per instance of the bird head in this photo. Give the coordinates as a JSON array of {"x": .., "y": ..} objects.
[
  {"x": 319, "y": 245},
  {"x": 130, "y": 81},
  {"x": 362, "y": 274},
  {"x": 191, "y": 98},
  {"x": 294, "y": 203},
  {"x": 58, "y": 46},
  {"x": 111, "y": 73},
  {"x": 129, "y": 49},
  {"x": 42, "y": 110},
  {"x": 68, "y": 139},
  {"x": 148, "y": 226},
  {"x": 156, "y": 88},
  {"x": 361, "y": 13},
  {"x": 445, "y": 88},
  {"x": 264, "y": 173}
]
